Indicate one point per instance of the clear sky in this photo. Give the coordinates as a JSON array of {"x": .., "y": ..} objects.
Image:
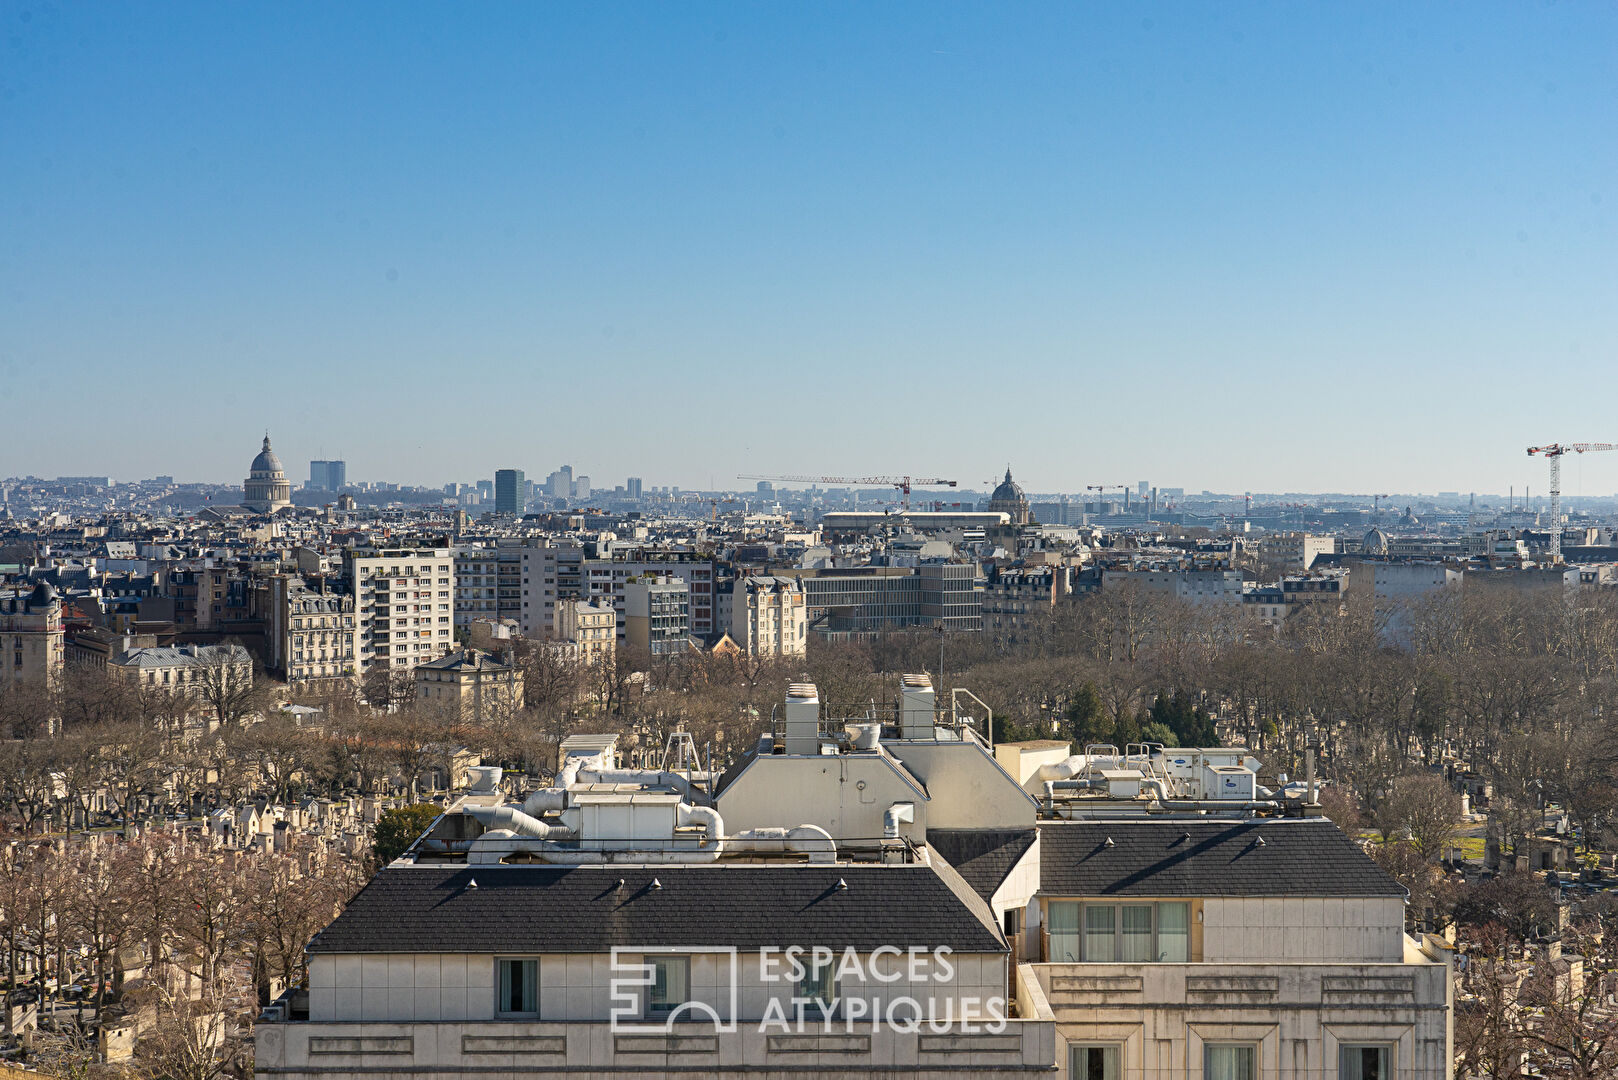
[{"x": 1239, "y": 246}]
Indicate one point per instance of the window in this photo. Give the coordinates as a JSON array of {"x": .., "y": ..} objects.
[
  {"x": 1119, "y": 933},
  {"x": 1365, "y": 1063},
  {"x": 519, "y": 988},
  {"x": 671, "y": 981},
  {"x": 1094, "y": 1063},
  {"x": 1100, "y": 938},
  {"x": 1226, "y": 1062},
  {"x": 818, "y": 987}
]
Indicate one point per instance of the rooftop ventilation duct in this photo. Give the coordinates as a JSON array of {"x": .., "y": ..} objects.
[
  {"x": 803, "y": 720},
  {"x": 916, "y": 704}
]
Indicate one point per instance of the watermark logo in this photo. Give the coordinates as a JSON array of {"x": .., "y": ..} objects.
[
  {"x": 797, "y": 989},
  {"x": 651, "y": 989}
]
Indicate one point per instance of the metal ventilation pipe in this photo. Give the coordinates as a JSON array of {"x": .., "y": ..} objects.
[{"x": 510, "y": 819}]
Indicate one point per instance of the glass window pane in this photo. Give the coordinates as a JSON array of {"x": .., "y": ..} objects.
[
  {"x": 1136, "y": 944},
  {"x": 1099, "y": 944},
  {"x": 1365, "y": 1063},
  {"x": 519, "y": 986},
  {"x": 1094, "y": 1063},
  {"x": 669, "y": 984},
  {"x": 1064, "y": 932},
  {"x": 1229, "y": 1063},
  {"x": 1174, "y": 933},
  {"x": 819, "y": 984}
]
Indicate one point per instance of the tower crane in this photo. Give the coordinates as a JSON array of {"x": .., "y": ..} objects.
[
  {"x": 1555, "y": 451},
  {"x": 902, "y": 483},
  {"x": 1104, "y": 488}
]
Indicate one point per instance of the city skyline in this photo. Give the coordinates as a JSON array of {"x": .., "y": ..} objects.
[{"x": 1349, "y": 249}]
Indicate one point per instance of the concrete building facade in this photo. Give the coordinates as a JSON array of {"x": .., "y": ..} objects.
[{"x": 404, "y": 607}]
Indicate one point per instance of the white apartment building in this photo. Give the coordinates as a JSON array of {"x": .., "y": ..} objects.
[
  {"x": 767, "y": 616},
  {"x": 627, "y": 922},
  {"x": 404, "y": 605}
]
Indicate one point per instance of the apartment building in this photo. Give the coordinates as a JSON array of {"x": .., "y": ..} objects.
[
  {"x": 865, "y": 601},
  {"x": 589, "y": 631},
  {"x": 1016, "y": 596},
  {"x": 32, "y": 640},
  {"x": 311, "y": 631},
  {"x": 767, "y": 615},
  {"x": 475, "y": 685},
  {"x": 488, "y": 582},
  {"x": 657, "y": 615},
  {"x": 1199, "y": 588},
  {"x": 1296, "y": 551},
  {"x": 556, "y": 573},
  {"x": 183, "y": 669},
  {"x": 627, "y": 921},
  {"x": 404, "y": 606}
]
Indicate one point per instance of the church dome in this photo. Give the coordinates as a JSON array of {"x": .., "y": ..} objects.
[
  {"x": 266, "y": 464},
  {"x": 1008, "y": 491},
  {"x": 1375, "y": 542},
  {"x": 266, "y": 488},
  {"x": 1009, "y": 500}
]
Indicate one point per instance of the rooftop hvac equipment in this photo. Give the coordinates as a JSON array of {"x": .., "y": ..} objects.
[
  {"x": 1228, "y": 782},
  {"x": 802, "y": 720},
  {"x": 916, "y": 705}
]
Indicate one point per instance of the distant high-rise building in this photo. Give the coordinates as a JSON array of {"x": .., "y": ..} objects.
[
  {"x": 1144, "y": 489},
  {"x": 510, "y": 492},
  {"x": 581, "y": 488},
  {"x": 634, "y": 486},
  {"x": 559, "y": 484},
  {"x": 486, "y": 489},
  {"x": 766, "y": 488},
  {"x": 328, "y": 475}
]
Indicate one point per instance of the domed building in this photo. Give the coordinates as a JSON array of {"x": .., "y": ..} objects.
[
  {"x": 1375, "y": 542},
  {"x": 266, "y": 488},
  {"x": 1009, "y": 499}
]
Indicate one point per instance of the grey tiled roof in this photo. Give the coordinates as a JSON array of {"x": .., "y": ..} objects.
[
  {"x": 584, "y": 909},
  {"x": 983, "y": 857},
  {"x": 1176, "y": 857}
]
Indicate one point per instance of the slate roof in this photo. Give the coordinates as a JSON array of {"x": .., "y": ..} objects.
[
  {"x": 583, "y": 909},
  {"x": 1177, "y": 857},
  {"x": 983, "y": 857}
]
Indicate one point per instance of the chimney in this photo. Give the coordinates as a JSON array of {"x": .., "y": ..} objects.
[
  {"x": 1309, "y": 775},
  {"x": 916, "y": 707},
  {"x": 803, "y": 720}
]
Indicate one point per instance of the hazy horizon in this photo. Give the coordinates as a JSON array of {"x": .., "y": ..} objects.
[{"x": 1236, "y": 247}]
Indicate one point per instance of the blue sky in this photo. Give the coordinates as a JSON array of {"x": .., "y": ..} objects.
[{"x": 1365, "y": 247}]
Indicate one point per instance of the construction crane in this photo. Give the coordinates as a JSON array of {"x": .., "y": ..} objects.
[
  {"x": 1555, "y": 451},
  {"x": 715, "y": 504},
  {"x": 902, "y": 483},
  {"x": 1104, "y": 488}
]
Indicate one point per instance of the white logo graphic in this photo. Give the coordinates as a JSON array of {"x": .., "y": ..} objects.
[{"x": 651, "y": 989}]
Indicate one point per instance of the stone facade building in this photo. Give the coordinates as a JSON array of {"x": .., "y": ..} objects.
[
  {"x": 479, "y": 686},
  {"x": 31, "y": 636},
  {"x": 266, "y": 488}
]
